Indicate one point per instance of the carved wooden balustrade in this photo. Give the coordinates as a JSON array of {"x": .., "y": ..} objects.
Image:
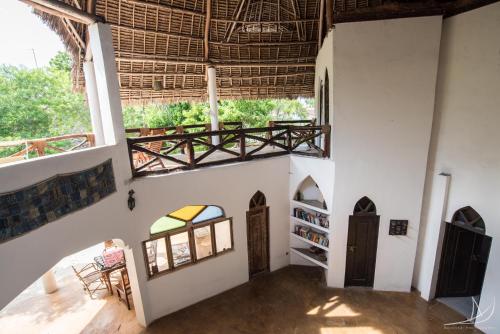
[
  {"x": 43, "y": 146},
  {"x": 159, "y": 154}
]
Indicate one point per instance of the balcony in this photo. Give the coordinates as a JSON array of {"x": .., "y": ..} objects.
[{"x": 165, "y": 153}]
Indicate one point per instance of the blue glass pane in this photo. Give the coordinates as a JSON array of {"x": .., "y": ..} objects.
[{"x": 210, "y": 212}]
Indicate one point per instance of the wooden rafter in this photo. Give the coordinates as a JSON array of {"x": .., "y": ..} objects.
[{"x": 63, "y": 10}]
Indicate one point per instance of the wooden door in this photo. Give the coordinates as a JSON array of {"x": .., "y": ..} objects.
[
  {"x": 463, "y": 262},
  {"x": 361, "y": 250},
  {"x": 258, "y": 240}
]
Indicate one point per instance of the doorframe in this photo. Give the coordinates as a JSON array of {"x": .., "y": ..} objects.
[
  {"x": 364, "y": 207},
  {"x": 268, "y": 243},
  {"x": 442, "y": 279}
]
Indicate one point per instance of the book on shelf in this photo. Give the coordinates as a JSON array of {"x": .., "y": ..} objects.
[
  {"x": 313, "y": 218},
  {"x": 309, "y": 234}
]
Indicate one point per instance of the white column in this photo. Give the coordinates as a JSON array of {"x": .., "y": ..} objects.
[
  {"x": 432, "y": 236},
  {"x": 93, "y": 102},
  {"x": 212, "y": 98},
  {"x": 49, "y": 282},
  {"x": 101, "y": 45}
]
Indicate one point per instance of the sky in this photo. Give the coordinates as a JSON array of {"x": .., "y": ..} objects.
[{"x": 24, "y": 37}]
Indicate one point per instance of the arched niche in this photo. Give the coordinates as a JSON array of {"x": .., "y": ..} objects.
[
  {"x": 469, "y": 218},
  {"x": 308, "y": 192},
  {"x": 364, "y": 206}
]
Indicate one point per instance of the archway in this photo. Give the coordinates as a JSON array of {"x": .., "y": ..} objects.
[
  {"x": 362, "y": 242},
  {"x": 258, "y": 235},
  {"x": 464, "y": 258}
]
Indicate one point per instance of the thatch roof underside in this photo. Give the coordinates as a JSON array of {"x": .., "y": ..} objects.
[{"x": 260, "y": 48}]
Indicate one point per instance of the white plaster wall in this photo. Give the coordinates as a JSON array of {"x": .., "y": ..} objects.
[
  {"x": 465, "y": 134},
  {"x": 231, "y": 187},
  {"x": 385, "y": 75},
  {"x": 25, "y": 258}
]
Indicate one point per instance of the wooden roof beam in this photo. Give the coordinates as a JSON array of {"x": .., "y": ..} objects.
[
  {"x": 394, "y": 9},
  {"x": 208, "y": 16},
  {"x": 63, "y": 10},
  {"x": 174, "y": 9},
  {"x": 221, "y": 64}
]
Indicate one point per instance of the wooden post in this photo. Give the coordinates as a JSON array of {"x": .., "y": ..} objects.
[
  {"x": 289, "y": 139},
  {"x": 243, "y": 153},
  {"x": 326, "y": 131},
  {"x": 329, "y": 14},
  {"x": 208, "y": 128},
  {"x": 191, "y": 156}
]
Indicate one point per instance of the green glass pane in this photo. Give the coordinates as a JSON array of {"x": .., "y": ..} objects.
[{"x": 165, "y": 224}]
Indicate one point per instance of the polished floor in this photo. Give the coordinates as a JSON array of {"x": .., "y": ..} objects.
[{"x": 295, "y": 300}]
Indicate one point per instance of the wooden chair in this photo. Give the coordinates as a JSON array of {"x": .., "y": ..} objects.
[
  {"x": 123, "y": 289},
  {"x": 91, "y": 279},
  {"x": 142, "y": 158}
]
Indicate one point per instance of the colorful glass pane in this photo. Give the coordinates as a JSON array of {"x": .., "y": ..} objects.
[
  {"x": 165, "y": 224},
  {"x": 187, "y": 213},
  {"x": 210, "y": 212}
]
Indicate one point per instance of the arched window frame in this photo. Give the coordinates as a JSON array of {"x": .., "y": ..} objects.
[
  {"x": 364, "y": 207},
  {"x": 189, "y": 228}
]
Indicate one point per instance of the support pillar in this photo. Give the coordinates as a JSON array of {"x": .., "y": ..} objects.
[
  {"x": 106, "y": 78},
  {"x": 93, "y": 102},
  {"x": 212, "y": 98},
  {"x": 49, "y": 282}
]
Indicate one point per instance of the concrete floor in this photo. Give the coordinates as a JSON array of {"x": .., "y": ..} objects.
[
  {"x": 69, "y": 309},
  {"x": 295, "y": 300}
]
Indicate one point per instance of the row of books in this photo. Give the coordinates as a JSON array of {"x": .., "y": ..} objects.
[
  {"x": 309, "y": 234},
  {"x": 313, "y": 218}
]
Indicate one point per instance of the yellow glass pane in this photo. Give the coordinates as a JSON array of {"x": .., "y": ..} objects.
[{"x": 187, "y": 213}]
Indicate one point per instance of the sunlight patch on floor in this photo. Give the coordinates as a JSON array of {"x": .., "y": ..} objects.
[{"x": 350, "y": 330}]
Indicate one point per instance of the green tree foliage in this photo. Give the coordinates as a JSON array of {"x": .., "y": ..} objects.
[
  {"x": 253, "y": 113},
  {"x": 38, "y": 103}
]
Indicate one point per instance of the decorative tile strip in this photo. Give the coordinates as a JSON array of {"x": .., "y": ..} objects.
[{"x": 29, "y": 208}]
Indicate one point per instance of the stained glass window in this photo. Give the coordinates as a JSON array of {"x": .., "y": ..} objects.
[
  {"x": 187, "y": 235},
  {"x": 210, "y": 212},
  {"x": 187, "y": 213},
  {"x": 166, "y": 224}
]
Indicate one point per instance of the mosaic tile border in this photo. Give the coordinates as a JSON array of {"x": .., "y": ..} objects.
[{"x": 29, "y": 208}]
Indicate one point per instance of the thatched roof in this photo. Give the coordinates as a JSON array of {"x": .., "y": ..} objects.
[{"x": 260, "y": 48}]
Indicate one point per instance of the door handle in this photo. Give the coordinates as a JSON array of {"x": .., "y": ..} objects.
[{"x": 352, "y": 248}]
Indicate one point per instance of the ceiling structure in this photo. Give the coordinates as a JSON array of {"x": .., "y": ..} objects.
[{"x": 260, "y": 48}]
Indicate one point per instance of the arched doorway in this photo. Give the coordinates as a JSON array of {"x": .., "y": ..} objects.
[
  {"x": 464, "y": 257},
  {"x": 258, "y": 235},
  {"x": 362, "y": 240}
]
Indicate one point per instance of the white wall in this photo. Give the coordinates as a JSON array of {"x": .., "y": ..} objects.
[
  {"x": 25, "y": 258},
  {"x": 465, "y": 134},
  {"x": 384, "y": 85},
  {"x": 231, "y": 187}
]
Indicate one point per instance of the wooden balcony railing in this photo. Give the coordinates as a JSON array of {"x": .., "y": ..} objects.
[
  {"x": 159, "y": 154},
  {"x": 24, "y": 149}
]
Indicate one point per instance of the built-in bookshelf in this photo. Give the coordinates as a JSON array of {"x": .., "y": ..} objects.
[{"x": 310, "y": 225}]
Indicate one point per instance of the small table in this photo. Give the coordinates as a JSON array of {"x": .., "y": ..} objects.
[{"x": 106, "y": 271}]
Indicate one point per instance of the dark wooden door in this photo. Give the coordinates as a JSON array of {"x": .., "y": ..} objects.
[
  {"x": 463, "y": 262},
  {"x": 361, "y": 250},
  {"x": 258, "y": 240}
]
